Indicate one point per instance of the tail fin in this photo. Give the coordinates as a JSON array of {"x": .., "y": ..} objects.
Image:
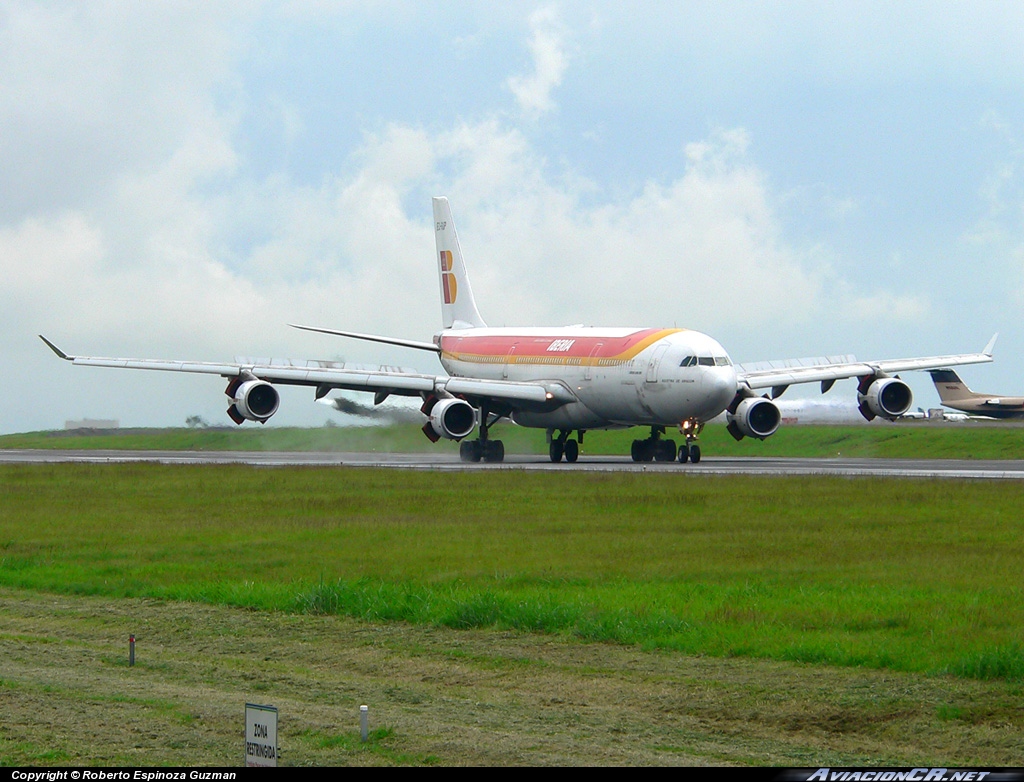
[
  {"x": 458, "y": 309},
  {"x": 950, "y": 387}
]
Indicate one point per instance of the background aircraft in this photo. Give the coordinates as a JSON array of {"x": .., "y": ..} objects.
[
  {"x": 953, "y": 392},
  {"x": 565, "y": 380}
]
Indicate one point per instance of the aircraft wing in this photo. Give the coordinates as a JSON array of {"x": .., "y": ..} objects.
[
  {"x": 328, "y": 375},
  {"x": 780, "y": 375}
]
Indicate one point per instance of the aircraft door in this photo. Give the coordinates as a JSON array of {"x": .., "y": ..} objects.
[
  {"x": 591, "y": 360},
  {"x": 655, "y": 364},
  {"x": 509, "y": 359}
]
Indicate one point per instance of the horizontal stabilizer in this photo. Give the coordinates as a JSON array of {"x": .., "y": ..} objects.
[{"x": 405, "y": 343}]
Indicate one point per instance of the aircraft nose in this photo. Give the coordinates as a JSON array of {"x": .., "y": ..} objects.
[{"x": 720, "y": 386}]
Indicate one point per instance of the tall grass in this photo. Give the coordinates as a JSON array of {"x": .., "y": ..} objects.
[{"x": 912, "y": 575}]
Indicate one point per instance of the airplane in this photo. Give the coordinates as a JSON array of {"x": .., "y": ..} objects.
[
  {"x": 564, "y": 380},
  {"x": 953, "y": 392}
]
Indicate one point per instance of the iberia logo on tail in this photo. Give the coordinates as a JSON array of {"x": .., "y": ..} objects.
[{"x": 448, "y": 285}]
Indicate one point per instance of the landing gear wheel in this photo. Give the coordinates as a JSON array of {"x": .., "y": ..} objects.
[
  {"x": 470, "y": 451},
  {"x": 572, "y": 451},
  {"x": 494, "y": 451},
  {"x": 690, "y": 451},
  {"x": 664, "y": 450},
  {"x": 555, "y": 450},
  {"x": 643, "y": 450}
]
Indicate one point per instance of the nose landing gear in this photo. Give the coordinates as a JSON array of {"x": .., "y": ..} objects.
[{"x": 690, "y": 451}]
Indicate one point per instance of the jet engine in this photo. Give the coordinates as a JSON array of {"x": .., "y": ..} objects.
[
  {"x": 451, "y": 418},
  {"x": 754, "y": 416},
  {"x": 885, "y": 397},
  {"x": 253, "y": 400}
]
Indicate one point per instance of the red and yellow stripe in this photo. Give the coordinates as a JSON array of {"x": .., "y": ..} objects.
[{"x": 558, "y": 349}]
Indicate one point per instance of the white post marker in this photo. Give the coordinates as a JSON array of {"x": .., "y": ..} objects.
[
  {"x": 364, "y": 722},
  {"x": 260, "y": 735}
]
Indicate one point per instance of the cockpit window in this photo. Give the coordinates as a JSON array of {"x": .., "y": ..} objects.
[{"x": 706, "y": 361}]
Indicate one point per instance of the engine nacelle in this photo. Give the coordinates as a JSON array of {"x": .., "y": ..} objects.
[
  {"x": 452, "y": 418},
  {"x": 754, "y": 417},
  {"x": 254, "y": 400},
  {"x": 885, "y": 397}
]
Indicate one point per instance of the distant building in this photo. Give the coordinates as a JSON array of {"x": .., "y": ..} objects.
[{"x": 92, "y": 423}]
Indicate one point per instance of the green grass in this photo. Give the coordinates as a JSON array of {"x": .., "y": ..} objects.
[
  {"x": 246, "y": 438},
  {"x": 377, "y": 743},
  {"x": 969, "y": 440},
  {"x": 911, "y": 575}
]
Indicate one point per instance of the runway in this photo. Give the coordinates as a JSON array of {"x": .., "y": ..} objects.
[{"x": 895, "y": 468}]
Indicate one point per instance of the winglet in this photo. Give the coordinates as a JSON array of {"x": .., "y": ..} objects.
[
  {"x": 56, "y": 349},
  {"x": 991, "y": 344}
]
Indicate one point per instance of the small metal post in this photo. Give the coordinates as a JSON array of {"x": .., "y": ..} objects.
[
  {"x": 131, "y": 650},
  {"x": 364, "y": 722}
]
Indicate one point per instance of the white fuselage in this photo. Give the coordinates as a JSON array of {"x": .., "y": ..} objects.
[{"x": 620, "y": 377}]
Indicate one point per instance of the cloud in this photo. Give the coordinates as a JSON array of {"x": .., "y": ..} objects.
[
  {"x": 139, "y": 224},
  {"x": 91, "y": 91},
  {"x": 704, "y": 249},
  {"x": 888, "y": 306},
  {"x": 550, "y": 61},
  {"x": 995, "y": 236}
]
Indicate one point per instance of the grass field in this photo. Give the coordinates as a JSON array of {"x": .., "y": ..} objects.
[
  {"x": 968, "y": 440},
  {"x": 902, "y": 578},
  {"x": 439, "y": 696},
  {"x": 909, "y": 575}
]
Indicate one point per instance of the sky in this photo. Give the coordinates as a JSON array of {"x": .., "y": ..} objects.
[{"x": 181, "y": 180}]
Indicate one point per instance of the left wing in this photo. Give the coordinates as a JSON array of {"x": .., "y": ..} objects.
[
  {"x": 879, "y": 394},
  {"x": 780, "y": 375},
  {"x": 254, "y": 399}
]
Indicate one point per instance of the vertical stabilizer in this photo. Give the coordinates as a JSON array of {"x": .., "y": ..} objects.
[
  {"x": 950, "y": 387},
  {"x": 458, "y": 309}
]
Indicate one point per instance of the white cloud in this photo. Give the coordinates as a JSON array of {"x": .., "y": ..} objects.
[
  {"x": 137, "y": 224},
  {"x": 888, "y": 306},
  {"x": 997, "y": 236},
  {"x": 550, "y": 61},
  {"x": 48, "y": 265},
  {"x": 92, "y": 90}
]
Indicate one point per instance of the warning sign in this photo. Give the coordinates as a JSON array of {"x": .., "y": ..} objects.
[{"x": 260, "y": 735}]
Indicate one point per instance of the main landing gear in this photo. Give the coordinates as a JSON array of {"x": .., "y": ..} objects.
[
  {"x": 562, "y": 446},
  {"x": 488, "y": 450},
  {"x": 483, "y": 447},
  {"x": 656, "y": 449}
]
